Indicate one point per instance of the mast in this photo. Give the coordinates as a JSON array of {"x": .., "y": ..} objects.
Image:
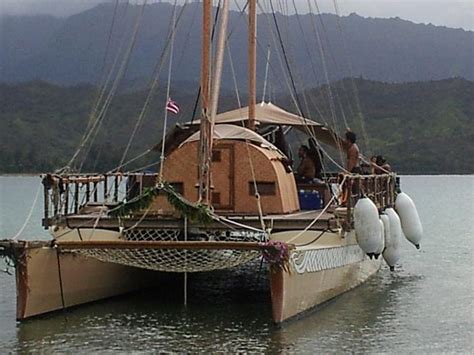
[
  {"x": 204, "y": 153},
  {"x": 208, "y": 116},
  {"x": 252, "y": 44}
]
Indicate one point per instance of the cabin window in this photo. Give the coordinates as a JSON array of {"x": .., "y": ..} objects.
[
  {"x": 263, "y": 188},
  {"x": 178, "y": 187},
  {"x": 216, "y": 198},
  {"x": 216, "y": 155}
]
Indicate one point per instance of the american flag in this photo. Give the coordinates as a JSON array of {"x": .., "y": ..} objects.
[{"x": 171, "y": 106}]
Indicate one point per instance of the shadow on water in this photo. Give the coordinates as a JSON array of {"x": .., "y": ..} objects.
[{"x": 227, "y": 312}]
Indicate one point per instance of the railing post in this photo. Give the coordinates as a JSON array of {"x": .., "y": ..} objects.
[
  {"x": 116, "y": 185},
  {"x": 76, "y": 197},
  {"x": 88, "y": 191},
  {"x": 66, "y": 198},
  {"x": 46, "y": 207},
  {"x": 348, "y": 187},
  {"x": 96, "y": 196},
  {"x": 106, "y": 187}
]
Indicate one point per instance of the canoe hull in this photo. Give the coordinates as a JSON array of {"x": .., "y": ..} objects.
[
  {"x": 48, "y": 281},
  {"x": 299, "y": 291}
]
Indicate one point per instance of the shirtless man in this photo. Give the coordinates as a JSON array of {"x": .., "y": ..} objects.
[
  {"x": 352, "y": 153},
  {"x": 306, "y": 170}
]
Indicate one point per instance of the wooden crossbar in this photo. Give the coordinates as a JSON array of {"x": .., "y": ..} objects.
[{"x": 74, "y": 245}]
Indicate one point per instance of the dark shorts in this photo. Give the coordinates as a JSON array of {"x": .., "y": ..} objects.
[{"x": 356, "y": 170}]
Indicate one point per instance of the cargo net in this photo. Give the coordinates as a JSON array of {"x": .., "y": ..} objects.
[{"x": 180, "y": 260}]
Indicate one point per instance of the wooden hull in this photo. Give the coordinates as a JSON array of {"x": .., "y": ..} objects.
[
  {"x": 313, "y": 282},
  {"x": 48, "y": 280}
]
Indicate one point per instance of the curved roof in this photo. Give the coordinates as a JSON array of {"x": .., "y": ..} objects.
[{"x": 230, "y": 131}]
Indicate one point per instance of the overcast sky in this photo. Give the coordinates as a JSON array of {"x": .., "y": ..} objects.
[{"x": 450, "y": 13}]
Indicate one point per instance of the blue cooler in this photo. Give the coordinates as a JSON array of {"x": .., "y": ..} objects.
[{"x": 310, "y": 200}]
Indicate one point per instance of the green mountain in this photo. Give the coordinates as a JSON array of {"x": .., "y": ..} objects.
[
  {"x": 420, "y": 127},
  {"x": 81, "y": 47},
  {"x": 423, "y": 127}
]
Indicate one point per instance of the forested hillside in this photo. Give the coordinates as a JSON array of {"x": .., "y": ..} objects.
[
  {"x": 425, "y": 127},
  {"x": 422, "y": 127},
  {"x": 80, "y": 48}
]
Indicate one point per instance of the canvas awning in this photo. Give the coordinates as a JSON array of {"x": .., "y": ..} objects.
[{"x": 268, "y": 113}]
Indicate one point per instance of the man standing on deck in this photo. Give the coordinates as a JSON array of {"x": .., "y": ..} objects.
[{"x": 352, "y": 153}]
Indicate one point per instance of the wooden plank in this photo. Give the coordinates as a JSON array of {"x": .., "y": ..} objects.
[{"x": 91, "y": 221}]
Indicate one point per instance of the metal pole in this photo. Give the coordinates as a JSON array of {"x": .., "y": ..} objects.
[
  {"x": 186, "y": 262},
  {"x": 252, "y": 44}
]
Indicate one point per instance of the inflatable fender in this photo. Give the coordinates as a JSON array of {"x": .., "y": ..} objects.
[
  {"x": 393, "y": 237},
  {"x": 367, "y": 226},
  {"x": 409, "y": 218},
  {"x": 382, "y": 238}
]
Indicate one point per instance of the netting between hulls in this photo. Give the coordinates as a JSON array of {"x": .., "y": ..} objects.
[{"x": 180, "y": 260}]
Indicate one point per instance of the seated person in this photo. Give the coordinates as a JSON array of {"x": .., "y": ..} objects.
[
  {"x": 373, "y": 164},
  {"x": 382, "y": 167},
  {"x": 306, "y": 171},
  {"x": 316, "y": 155}
]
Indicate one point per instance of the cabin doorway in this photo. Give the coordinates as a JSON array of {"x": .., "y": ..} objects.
[{"x": 223, "y": 177}]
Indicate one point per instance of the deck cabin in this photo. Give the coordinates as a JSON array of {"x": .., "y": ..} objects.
[{"x": 250, "y": 180}]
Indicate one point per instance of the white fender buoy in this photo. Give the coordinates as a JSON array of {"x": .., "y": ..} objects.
[
  {"x": 367, "y": 226},
  {"x": 409, "y": 218},
  {"x": 393, "y": 237},
  {"x": 382, "y": 237}
]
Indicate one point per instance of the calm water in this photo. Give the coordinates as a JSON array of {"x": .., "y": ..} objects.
[{"x": 426, "y": 306}]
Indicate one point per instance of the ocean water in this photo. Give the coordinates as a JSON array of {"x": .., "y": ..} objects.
[{"x": 426, "y": 306}]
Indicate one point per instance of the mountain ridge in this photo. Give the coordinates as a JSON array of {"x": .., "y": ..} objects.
[
  {"x": 421, "y": 128},
  {"x": 71, "y": 50}
]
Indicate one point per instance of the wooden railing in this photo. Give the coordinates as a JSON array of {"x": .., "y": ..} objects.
[
  {"x": 67, "y": 194},
  {"x": 381, "y": 189}
]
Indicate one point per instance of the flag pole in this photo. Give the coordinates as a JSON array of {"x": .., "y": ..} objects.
[
  {"x": 252, "y": 54},
  {"x": 163, "y": 140}
]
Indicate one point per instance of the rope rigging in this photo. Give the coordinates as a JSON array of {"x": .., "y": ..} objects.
[
  {"x": 154, "y": 84},
  {"x": 92, "y": 134},
  {"x": 162, "y": 157}
]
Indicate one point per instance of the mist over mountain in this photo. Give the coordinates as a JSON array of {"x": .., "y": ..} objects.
[{"x": 83, "y": 48}]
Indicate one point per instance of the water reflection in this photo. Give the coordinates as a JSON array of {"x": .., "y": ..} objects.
[
  {"x": 227, "y": 312},
  {"x": 426, "y": 306},
  {"x": 355, "y": 317}
]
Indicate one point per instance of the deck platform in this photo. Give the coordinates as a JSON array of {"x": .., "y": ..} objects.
[{"x": 283, "y": 222}]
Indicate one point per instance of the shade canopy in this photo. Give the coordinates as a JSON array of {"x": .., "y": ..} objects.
[{"x": 270, "y": 114}]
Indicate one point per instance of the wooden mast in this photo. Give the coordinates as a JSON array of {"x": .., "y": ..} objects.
[
  {"x": 252, "y": 54},
  {"x": 210, "y": 102},
  {"x": 204, "y": 153}
]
